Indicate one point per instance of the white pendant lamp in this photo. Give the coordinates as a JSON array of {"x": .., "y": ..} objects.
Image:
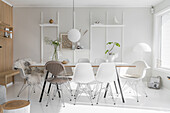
[{"x": 74, "y": 34}]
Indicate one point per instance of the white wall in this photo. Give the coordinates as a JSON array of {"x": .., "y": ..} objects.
[{"x": 138, "y": 28}]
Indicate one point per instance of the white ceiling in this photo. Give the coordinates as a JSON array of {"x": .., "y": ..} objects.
[{"x": 84, "y": 3}]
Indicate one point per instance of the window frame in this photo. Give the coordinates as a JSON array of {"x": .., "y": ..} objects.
[{"x": 157, "y": 39}]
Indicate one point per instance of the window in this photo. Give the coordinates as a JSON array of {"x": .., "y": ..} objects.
[{"x": 165, "y": 41}]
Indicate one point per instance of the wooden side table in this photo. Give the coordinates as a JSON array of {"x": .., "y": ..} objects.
[
  {"x": 1, "y": 109},
  {"x": 17, "y": 106}
]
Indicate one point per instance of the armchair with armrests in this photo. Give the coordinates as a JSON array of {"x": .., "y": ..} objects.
[
  {"x": 135, "y": 75},
  {"x": 31, "y": 77}
]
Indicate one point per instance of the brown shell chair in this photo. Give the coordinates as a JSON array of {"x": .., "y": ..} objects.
[{"x": 58, "y": 78}]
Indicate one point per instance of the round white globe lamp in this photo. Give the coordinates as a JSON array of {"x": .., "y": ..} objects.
[
  {"x": 140, "y": 49},
  {"x": 74, "y": 35}
]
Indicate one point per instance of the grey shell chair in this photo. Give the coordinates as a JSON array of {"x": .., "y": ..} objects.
[{"x": 58, "y": 72}]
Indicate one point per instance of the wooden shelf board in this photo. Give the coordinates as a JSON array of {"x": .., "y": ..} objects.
[
  {"x": 2, "y": 37},
  {"x": 5, "y": 31},
  {"x": 4, "y": 24}
]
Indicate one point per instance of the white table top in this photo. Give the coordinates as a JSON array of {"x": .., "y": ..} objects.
[{"x": 118, "y": 64}]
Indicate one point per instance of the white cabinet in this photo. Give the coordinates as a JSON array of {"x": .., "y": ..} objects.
[
  {"x": 74, "y": 55},
  {"x": 81, "y": 53},
  {"x": 67, "y": 54}
]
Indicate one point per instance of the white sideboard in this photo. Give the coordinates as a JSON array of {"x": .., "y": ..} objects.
[{"x": 74, "y": 55}]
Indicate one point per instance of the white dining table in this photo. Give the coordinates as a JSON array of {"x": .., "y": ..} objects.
[{"x": 117, "y": 65}]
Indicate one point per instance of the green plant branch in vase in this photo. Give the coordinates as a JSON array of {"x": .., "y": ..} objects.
[
  {"x": 109, "y": 51},
  {"x": 111, "y": 55},
  {"x": 55, "y": 44}
]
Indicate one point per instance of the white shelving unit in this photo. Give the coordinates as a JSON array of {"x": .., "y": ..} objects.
[
  {"x": 98, "y": 26},
  {"x": 42, "y": 25},
  {"x": 48, "y": 25},
  {"x": 106, "y": 26}
]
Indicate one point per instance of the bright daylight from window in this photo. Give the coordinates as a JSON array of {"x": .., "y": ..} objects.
[{"x": 165, "y": 41}]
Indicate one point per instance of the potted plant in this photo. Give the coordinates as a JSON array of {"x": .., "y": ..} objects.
[
  {"x": 56, "y": 45},
  {"x": 111, "y": 55}
]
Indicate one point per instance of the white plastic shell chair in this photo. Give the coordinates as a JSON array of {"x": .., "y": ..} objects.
[
  {"x": 83, "y": 60},
  {"x": 83, "y": 76},
  {"x": 98, "y": 61},
  {"x": 134, "y": 76},
  {"x": 106, "y": 74}
]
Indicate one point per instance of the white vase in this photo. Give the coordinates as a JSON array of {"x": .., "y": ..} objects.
[{"x": 111, "y": 58}]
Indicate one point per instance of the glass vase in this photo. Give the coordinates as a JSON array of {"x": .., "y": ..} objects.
[{"x": 55, "y": 56}]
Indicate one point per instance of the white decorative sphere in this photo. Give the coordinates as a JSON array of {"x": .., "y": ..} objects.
[{"x": 74, "y": 35}]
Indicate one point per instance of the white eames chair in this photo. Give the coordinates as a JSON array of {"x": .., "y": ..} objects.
[
  {"x": 83, "y": 76},
  {"x": 83, "y": 60},
  {"x": 135, "y": 75},
  {"x": 98, "y": 61},
  {"x": 106, "y": 74}
]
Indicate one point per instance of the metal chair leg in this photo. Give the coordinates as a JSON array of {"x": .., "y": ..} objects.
[
  {"x": 76, "y": 93},
  {"x": 30, "y": 89},
  {"x": 144, "y": 89},
  {"x": 99, "y": 93},
  {"x": 136, "y": 92},
  {"x": 58, "y": 91},
  {"x": 90, "y": 93},
  {"x": 49, "y": 88},
  {"x": 96, "y": 91},
  {"x": 54, "y": 93},
  {"x": 62, "y": 97},
  {"x": 106, "y": 90},
  {"x": 22, "y": 89},
  {"x": 115, "y": 87},
  {"x": 83, "y": 88},
  {"x": 48, "y": 100},
  {"x": 69, "y": 88},
  {"x": 111, "y": 93}
]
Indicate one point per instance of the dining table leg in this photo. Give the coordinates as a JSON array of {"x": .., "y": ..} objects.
[
  {"x": 42, "y": 92},
  {"x": 118, "y": 80}
]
